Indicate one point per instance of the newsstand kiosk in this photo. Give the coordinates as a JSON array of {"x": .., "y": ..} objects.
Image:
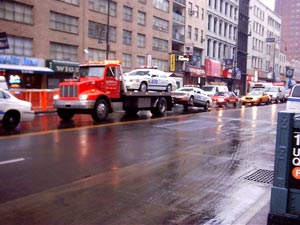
[{"x": 285, "y": 194}]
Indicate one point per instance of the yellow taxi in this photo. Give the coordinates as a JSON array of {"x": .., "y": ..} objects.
[{"x": 256, "y": 97}]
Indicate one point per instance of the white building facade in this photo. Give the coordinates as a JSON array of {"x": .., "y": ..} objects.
[
  {"x": 222, "y": 24},
  {"x": 265, "y": 62}
]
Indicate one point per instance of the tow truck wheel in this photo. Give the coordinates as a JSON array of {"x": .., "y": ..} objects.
[
  {"x": 160, "y": 107},
  {"x": 11, "y": 120},
  {"x": 100, "y": 111},
  {"x": 64, "y": 114}
]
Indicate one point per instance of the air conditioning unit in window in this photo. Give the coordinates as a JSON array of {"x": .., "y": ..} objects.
[{"x": 191, "y": 12}]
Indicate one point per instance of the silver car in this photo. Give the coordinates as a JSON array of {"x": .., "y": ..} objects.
[{"x": 191, "y": 96}]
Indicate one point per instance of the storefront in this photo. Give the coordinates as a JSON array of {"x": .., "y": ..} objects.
[
  {"x": 62, "y": 69},
  {"x": 24, "y": 72},
  {"x": 196, "y": 75}
]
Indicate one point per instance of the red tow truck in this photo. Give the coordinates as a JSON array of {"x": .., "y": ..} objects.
[{"x": 97, "y": 85}]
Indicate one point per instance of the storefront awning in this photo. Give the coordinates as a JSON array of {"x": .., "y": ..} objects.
[{"x": 26, "y": 69}]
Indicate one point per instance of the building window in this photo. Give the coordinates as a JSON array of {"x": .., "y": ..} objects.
[
  {"x": 141, "y": 18},
  {"x": 160, "y": 24},
  {"x": 160, "y": 64},
  {"x": 63, "y": 22},
  {"x": 142, "y": 1},
  {"x": 18, "y": 46},
  {"x": 98, "y": 31},
  {"x": 72, "y": 2},
  {"x": 209, "y": 22},
  {"x": 196, "y": 13},
  {"x": 96, "y": 54},
  {"x": 160, "y": 45},
  {"x": 196, "y": 34},
  {"x": 63, "y": 52},
  {"x": 126, "y": 60},
  {"x": 141, "y": 40},
  {"x": 215, "y": 25},
  {"x": 127, "y": 13},
  {"x": 208, "y": 47},
  {"x": 127, "y": 37},
  {"x": 162, "y": 5},
  {"x": 141, "y": 60},
  {"x": 15, "y": 11},
  {"x": 189, "y": 32},
  {"x": 101, "y": 6}
]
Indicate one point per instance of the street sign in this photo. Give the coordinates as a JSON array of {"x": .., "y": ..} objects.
[{"x": 270, "y": 39}]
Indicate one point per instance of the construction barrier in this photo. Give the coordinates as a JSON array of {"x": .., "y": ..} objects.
[
  {"x": 41, "y": 99},
  {"x": 285, "y": 193}
]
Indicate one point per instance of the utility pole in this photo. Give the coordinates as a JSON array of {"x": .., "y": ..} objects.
[{"x": 107, "y": 30}]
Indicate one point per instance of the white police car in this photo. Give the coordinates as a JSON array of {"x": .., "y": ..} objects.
[
  {"x": 148, "y": 79},
  {"x": 14, "y": 110}
]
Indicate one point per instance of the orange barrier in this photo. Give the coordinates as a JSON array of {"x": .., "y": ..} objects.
[{"x": 41, "y": 99}]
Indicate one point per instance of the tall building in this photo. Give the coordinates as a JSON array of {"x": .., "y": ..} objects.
[
  {"x": 289, "y": 11},
  {"x": 221, "y": 39},
  {"x": 263, "y": 44},
  {"x": 48, "y": 39},
  {"x": 242, "y": 51}
]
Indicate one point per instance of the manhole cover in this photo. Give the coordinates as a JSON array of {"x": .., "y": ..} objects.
[{"x": 262, "y": 176}]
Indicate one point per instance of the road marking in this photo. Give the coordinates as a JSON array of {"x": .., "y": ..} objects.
[{"x": 11, "y": 161}]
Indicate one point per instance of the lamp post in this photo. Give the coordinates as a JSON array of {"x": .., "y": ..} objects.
[
  {"x": 274, "y": 41},
  {"x": 107, "y": 30}
]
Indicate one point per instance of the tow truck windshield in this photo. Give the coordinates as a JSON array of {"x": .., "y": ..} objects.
[{"x": 91, "y": 71}]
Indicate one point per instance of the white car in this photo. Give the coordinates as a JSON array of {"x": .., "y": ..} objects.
[
  {"x": 191, "y": 96},
  {"x": 149, "y": 80},
  {"x": 14, "y": 110}
]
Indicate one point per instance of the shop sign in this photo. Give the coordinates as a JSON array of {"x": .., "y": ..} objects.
[
  {"x": 212, "y": 68},
  {"x": 172, "y": 62},
  {"x": 228, "y": 63},
  {"x": 238, "y": 74},
  {"x": 63, "y": 66},
  {"x": 183, "y": 58},
  {"x": 196, "y": 71},
  {"x": 21, "y": 60},
  {"x": 294, "y": 173}
]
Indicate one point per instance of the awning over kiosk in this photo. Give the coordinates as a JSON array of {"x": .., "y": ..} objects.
[{"x": 26, "y": 69}]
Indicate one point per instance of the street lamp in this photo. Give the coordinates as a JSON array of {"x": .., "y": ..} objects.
[{"x": 271, "y": 39}]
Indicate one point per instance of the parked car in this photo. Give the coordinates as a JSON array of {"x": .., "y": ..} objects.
[
  {"x": 256, "y": 97},
  {"x": 210, "y": 89},
  {"x": 191, "y": 96},
  {"x": 277, "y": 93},
  {"x": 225, "y": 98},
  {"x": 14, "y": 110},
  {"x": 293, "y": 100},
  {"x": 149, "y": 80}
]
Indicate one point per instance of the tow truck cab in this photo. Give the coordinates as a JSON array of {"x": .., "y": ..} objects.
[{"x": 95, "y": 85}]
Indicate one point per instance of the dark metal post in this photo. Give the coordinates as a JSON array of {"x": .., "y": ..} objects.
[{"x": 107, "y": 30}]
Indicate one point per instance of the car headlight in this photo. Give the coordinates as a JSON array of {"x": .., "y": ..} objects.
[
  {"x": 56, "y": 97},
  {"x": 83, "y": 97}
]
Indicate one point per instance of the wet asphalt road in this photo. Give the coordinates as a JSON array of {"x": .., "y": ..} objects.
[{"x": 188, "y": 169}]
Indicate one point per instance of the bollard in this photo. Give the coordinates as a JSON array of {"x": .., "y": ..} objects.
[{"x": 285, "y": 192}]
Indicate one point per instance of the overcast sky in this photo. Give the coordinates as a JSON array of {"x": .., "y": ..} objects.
[{"x": 269, "y": 3}]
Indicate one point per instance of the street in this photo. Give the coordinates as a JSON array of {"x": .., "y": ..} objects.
[{"x": 185, "y": 168}]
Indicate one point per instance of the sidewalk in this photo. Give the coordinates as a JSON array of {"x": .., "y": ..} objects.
[{"x": 261, "y": 217}]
